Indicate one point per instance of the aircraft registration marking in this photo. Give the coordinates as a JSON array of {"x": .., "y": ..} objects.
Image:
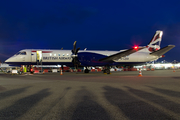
[{"x": 124, "y": 58}]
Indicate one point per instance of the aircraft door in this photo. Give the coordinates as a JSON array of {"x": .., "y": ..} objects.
[
  {"x": 33, "y": 56},
  {"x": 36, "y": 57},
  {"x": 39, "y": 57}
]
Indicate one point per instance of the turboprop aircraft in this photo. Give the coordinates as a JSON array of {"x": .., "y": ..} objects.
[{"x": 87, "y": 58}]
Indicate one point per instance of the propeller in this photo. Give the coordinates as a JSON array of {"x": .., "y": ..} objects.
[{"x": 75, "y": 56}]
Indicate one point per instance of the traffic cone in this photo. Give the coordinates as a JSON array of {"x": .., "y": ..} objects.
[
  {"x": 140, "y": 74},
  {"x": 174, "y": 70},
  {"x": 61, "y": 73}
]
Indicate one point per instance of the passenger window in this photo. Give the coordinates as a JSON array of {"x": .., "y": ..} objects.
[
  {"x": 59, "y": 54},
  {"x": 23, "y": 53}
]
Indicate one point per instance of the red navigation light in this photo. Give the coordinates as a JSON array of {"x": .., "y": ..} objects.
[
  {"x": 163, "y": 56},
  {"x": 136, "y": 47}
]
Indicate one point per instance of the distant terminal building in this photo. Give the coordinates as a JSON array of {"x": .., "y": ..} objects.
[{"x": 158, "y": 66}]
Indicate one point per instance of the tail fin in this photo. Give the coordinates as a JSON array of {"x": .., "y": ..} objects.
[{"x": 154, "y": 45}]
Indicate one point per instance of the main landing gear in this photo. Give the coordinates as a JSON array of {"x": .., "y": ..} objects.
[
  {"x": 107, "y": 70},
  {"x": 86, "y": 70}
]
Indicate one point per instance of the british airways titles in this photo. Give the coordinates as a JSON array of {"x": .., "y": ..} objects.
[{"x": 57, "y": 58}]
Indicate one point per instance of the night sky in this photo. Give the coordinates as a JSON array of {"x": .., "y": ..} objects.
[{"x": 94, "y": 24}]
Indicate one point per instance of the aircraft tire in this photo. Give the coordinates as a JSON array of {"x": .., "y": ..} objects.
[
  {"x": 107, "y": 71},
  {"x": 86, "y": 71}
]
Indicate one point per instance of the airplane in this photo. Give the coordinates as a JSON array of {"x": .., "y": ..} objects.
[{"x": 87, "y": 58}]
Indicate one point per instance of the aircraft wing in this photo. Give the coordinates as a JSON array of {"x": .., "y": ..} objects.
[
  {"x": 162, "y": 51},
  {"x": 120, "y": 54}
]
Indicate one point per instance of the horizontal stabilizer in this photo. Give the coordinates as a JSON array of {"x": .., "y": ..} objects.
[
  {"x": 120, "y": 54},
  {"x": 162, "y": 51}
]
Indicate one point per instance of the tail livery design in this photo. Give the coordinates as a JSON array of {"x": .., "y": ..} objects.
[{"x": 154, "y": 45}]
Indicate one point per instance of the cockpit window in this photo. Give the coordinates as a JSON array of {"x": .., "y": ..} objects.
[
  {"x": 18, "y": 53},
  {"x": 23, "y": 53}
]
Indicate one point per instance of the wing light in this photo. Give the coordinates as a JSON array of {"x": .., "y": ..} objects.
[{"x": 136, "y": 47}]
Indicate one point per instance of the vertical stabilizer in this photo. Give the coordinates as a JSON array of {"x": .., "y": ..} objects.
[{"x": 154, "y": 45}]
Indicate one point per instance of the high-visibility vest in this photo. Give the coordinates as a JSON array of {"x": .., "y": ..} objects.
[{"x": 25, "y": 69}]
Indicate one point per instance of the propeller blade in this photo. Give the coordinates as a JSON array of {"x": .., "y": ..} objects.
[
  {"x": 72, "y": 51},
  {"x": 77, "y": 51},
  {"x": 74, "y": 47},
  {"x": 76, "y": 66}
]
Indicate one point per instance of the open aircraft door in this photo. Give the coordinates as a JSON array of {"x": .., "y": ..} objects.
[
  {"x": 39, "y": 57},
  {"x": 36, "y": 57}
]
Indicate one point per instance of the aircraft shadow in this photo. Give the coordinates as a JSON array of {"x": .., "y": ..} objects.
[
  {"x": 55, "y": 102},
  {"x": 12, "y": 92},
  {"x": 132, "y": 107},
  {"x": 156, "y": 99},
  {"x": 2, "y": 88},
  {"x": 87, "y": 108},
  {"x": 166, "y": 92},
  {"x": 23, "y": 105}
]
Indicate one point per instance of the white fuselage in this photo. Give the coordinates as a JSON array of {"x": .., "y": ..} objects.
[{"x": 49, "y": 57}]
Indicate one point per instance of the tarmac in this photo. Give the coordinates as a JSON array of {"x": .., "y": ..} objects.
[{"x": 121, "y": 95}]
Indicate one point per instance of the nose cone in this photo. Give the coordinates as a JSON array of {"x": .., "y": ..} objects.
[{"x": 9, "y": 60}]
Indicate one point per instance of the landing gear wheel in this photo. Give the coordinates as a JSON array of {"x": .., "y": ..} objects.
[
  {"x": 86, "y": 71},
  {"x": 107, "y": 71}
]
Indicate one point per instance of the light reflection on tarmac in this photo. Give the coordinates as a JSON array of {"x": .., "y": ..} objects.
[{"x": 94, "y": 96}]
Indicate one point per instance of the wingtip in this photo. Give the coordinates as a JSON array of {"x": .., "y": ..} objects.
[{"x": 172, "y": 45}]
